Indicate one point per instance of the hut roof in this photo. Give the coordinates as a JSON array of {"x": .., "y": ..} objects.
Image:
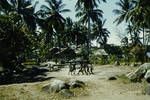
[{"x": 100, "y": 52}]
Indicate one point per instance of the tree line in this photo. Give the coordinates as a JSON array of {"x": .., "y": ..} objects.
[
  {"x": 26, "y": 33},
  {"x": 135, "y": 14}
]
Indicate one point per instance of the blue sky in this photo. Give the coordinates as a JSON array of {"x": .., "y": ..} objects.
[{"x": 116, "y": 31}]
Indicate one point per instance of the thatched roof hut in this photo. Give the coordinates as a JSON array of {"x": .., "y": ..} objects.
[{"x": 101, "y": 52}]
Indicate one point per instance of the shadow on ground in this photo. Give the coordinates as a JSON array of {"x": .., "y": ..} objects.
[{"x": 33, "y": 74}]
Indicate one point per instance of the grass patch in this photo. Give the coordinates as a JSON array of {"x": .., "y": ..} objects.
[
  {"x": 124, "y": 79},
  {"x": 145, "y": 84},
  {"x": 23, "y": 92},
  {"x": 77, "y": 92},
  {"x": 32, "y": 91},
  {"x": 80, "y": 91},
  {"x": 30, "y": 63}
]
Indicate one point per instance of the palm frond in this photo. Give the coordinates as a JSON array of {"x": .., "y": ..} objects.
[
  {"x": 45, "y": 8},
  {"x": 117, "y": 11},
  {"x": 5, "y": 5},
  {"x": 64, "y": 10}
]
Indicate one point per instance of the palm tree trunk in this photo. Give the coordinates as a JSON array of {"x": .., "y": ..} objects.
[
  {"x": 148, "y": 39},
  {"x": 145, "y": 59},
  {"x": 88, "y": 37},
  {"x": 130, "y": 32},
  {"x": 143, "y": 36},
  {"x": 146, "y": 45}
]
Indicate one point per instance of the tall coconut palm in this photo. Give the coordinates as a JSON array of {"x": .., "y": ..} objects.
[
  {"x": 125, "y": 7},
  {"x": 68, "y": 35},
  {"x": 4, "y": 6},
  {"x": 86, "y": 17},
  {"x": 139, "y": 16},
  {"x": 90, "y": 4},
  {"x": 80, "y": 33},
  {"x": 23, "y": 8},
  {"x": 100, "y": 33},
  {"x": 53, "y": 17},
  {"x": 87, "y": 11},
  {"x": 53, "y": 12},
  {"x": 75, "y": 33}
]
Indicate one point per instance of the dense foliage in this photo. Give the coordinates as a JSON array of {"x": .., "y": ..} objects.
[
  {"x": 28, "y": 34},
  {"x": 135, "y": 13}
]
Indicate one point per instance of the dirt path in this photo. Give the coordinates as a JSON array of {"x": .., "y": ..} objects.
[{"x": 100, "y": 88}]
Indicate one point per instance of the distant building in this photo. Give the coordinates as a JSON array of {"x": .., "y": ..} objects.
[
  {"x": 101, "y": 52},
  {"x": 148, "y": 54}
]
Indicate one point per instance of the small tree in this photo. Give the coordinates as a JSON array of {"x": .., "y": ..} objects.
[
  {"x": 15, "y": 40},
  {"x": 138, "y": 52}
]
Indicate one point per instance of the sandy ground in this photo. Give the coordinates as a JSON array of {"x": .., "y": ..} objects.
[
  {"x": 103, "y": 89},
  {"x": 100, "y": 88}
]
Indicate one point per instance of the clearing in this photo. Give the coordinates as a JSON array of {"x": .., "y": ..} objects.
[{"x": 98, "y": 86}]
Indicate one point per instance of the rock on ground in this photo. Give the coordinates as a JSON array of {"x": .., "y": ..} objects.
[
  {"x": 147, "y": 76},
  {"x": 55, "y": 86},
  {"x": 139, "y": 72},
  {"x": 76, "y": 84},
  {"x": 112, "y": 78}
]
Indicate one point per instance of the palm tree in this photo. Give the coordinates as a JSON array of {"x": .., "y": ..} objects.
[
  {"x": 53, "y": 18},
  {"x": 87, "y": 11},
  {"x": 125, "y": 8},
  {"x": 86, "y": 17},
  {"x": 139, "y": 16},
  {"x": 15, "y": 39},
  {"x": 80, "y": 33},
  {"x": 23, "y": 8},
  {"x": 90, "y": 4},
  {"x": 135, "y": 13},
  {"x": 4, "y": 6},
  {"x": 75, "y": 33},
  {"x": 68, "y": 35},
  {"x": 100, "y": 33},
  {"x": 123, "y": 12}
]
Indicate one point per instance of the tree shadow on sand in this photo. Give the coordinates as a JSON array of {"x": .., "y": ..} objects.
[{"x": 34, "y": 74}]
